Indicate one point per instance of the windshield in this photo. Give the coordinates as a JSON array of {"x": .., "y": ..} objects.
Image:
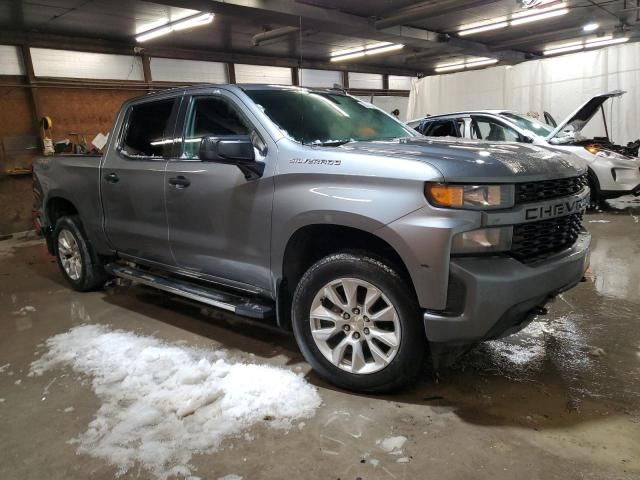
[
  {"x": 327, "y": 118},
  {"x": 530, "y": 124}
]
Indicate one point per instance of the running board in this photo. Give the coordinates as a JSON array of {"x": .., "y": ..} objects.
[{"x": 243, "y": 306}]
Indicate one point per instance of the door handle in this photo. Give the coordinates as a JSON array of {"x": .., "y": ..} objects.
[
  {"x": 179, "y": 181},
  {"x": 112, "y": 178}
]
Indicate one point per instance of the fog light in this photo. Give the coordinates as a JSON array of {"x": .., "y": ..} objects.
[{"x": 484, "y": 240}]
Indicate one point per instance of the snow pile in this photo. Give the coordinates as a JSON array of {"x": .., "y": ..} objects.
[
  {"x": 162, "y": 403},
  {"x": 392, "y": 445}
]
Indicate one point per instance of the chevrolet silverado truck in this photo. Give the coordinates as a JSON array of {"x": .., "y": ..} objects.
[{"x": 323, "y": 214}]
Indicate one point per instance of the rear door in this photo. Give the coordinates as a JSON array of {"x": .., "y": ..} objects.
[
  {"x": 132, "y": 181},
  {"x": 220, "y": 222}
]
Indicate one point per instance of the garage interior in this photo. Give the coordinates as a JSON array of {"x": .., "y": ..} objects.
[{"x": 559, "y": 399}]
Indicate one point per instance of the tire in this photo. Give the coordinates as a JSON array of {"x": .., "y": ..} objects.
[
  {"x": 78, "y": 262},
  {"x": 383, "y": 370},
  {"x": 595, "y": 200}
]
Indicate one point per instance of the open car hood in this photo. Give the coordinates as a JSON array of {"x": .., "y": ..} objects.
[{"x": 584, "y": 114}]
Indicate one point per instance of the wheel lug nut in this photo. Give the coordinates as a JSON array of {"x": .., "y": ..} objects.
[
  {"x": 346, "y": 316},
  {"x": 356, "y": 311},
  {"x": 356, "y": 335},
  {"x": 366, "y": 331},
  {"x": 366, "y": 319},
  {"x": 346, "y": 328}
]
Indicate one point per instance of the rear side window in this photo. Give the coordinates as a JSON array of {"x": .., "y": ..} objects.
[
  {"x": 146, "y": 128},
  {"x": 441, "y": 128}
]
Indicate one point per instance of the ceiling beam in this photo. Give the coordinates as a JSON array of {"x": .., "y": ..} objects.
[
  {"x": 422, "y": 11},
  {"x": 302, "y": 15},
  {"x": 48, "y": 40}
]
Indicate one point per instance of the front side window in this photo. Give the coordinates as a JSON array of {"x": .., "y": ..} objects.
[
  {"x": 492, "y": 131},
  {"x": 327, "y": 118},
  {"x": 146, "y": 127},
  {"x": 211, "y": 117}
]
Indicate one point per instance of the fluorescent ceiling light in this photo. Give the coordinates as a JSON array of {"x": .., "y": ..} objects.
[
  {"x": 590, "y": 27},
  {"x": 362, "y": 51},
  {"x": 197, "y": 21},
  {"x": 580, "y": 45},
  {"x": 602, "y": 43},
  {"x": 156, "y": 32},
  {"x": 517, "y": 18},
  {"x": 565, "y": 47},
  {"x": 484, "y": 28},
  {"x": 470, "y": 63},
  {"x": 182, "y": 24},
  {"x": 540, "y": 16},
  {"x": 348, "y": 56}
]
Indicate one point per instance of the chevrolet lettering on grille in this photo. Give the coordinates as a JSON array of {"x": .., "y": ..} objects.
[{"x": 565, "y": 207}]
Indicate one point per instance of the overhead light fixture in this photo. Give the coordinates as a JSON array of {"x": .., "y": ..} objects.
[
  {"x": 581, "y": 45},
  {"x": 539, "y": 16},
  {"x": 602, "y": 43},
  {"x": 517, "y": 18},
  {"x": 196, "y": 20},
  {"x": 469, "y": 63},
  {"x": 565, "y": 47},
  {"x": 357, "y": 52},
  {"x": 484, "y": 26},
  {"x": 590, "y": 27}
]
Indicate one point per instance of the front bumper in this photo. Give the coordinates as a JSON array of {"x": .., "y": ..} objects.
[{"x": 496, "y": 296}]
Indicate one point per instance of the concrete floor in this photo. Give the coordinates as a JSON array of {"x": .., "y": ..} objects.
[{"x": 560, "y": 400}]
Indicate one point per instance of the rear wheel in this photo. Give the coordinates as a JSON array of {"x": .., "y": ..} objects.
[
  {"x": 76, "y": 258},
  {"x": 358, "y": 325}
]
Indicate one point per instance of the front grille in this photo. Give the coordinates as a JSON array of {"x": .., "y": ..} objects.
[
  {"x": 548, "y": 189},
  {"x": 538, "y": 240}
]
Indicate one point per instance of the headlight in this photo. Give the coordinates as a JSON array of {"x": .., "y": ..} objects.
[
  {"x": 484, "y": 240},
  {"x": 598, "y": 151},
  {"x": 472, "y": 197}
]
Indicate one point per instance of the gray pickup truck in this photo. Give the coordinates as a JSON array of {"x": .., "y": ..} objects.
[{"x": 320, "y": 212}]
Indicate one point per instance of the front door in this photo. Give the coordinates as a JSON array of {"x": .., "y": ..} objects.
[
  {"x": 133, "y": 181},
  {"x": 220, "y": 222}
]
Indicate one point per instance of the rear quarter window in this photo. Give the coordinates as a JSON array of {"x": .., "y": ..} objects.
[{"x": 145, "y": 129}]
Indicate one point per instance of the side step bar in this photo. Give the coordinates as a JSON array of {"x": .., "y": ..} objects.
[{"x": 243, "y": 306}]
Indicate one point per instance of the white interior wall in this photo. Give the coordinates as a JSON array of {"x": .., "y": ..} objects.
[
  {"x": 263, "y": 74},
  {"x": 11, "y": 60},
  {"x": 399, "y": 82},
  {"x": 558, "y": 85},
  {"x": 48, "y": 62},
  {"x": 174, "y": 70},
  {"x": 320, "y": 78},
  {"x": 368, "y": 81},
  {"x": 388, "y": 103}
]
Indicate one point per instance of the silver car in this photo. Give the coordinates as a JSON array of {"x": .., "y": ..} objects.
[{"x": 614, "y": 170}]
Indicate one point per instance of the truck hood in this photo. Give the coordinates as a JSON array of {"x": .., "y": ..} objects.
[
  {"x": 578, "y": 119},
  {"x": 470, "y": 160}
]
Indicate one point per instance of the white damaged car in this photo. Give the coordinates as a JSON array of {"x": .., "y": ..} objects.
[{"x": 614, "y": 170}]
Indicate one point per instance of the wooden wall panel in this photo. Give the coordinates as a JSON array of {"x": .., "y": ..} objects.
[{"x": 85, "y": 111}]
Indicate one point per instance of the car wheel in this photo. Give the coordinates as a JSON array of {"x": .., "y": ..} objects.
[
  {"x": 76, "y": 258},
  {"x": 358, "y": 324},
  {"x": 595, "y": 200}
]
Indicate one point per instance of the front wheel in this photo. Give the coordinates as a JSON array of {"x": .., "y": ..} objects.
[{"x": 358, "y": 325}]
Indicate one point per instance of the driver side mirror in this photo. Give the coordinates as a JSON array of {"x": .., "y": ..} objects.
[
  {"x": 237, "y": 149},
  {"x": 232, "y": 149}
]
